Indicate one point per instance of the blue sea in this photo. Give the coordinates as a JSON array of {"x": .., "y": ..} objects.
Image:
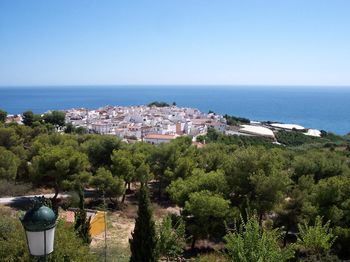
[{"x": 326, "y": 108}]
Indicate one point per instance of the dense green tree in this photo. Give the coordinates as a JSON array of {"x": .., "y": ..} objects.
[
  {"x": 55, "y": 118},
  {"x": 142, "y": 169},
  {"x": 9, "y": 163},
  {"x": 161, "y": 162},
  {"x": 233, "y": 120},
  {"x": 143, "y": 174},
  {"x": 143, "y": 244},
  {"x": 257, "y": 178},
  {"x": 295, "y": 208},
  {"x": 207, "y": 212},
  {"x": 8, "y": 137},
  {"x": 331, "y": 199},
  {"x": 295, "y": 138},
  {"x": 3, "y": 115},
  {"x": 78, "y": 182},
  {"x": 213, "y": 181},
  {"x": 172, "y": 240},
  {"x": 250, "y": 242},
  {"x": 122, "y": 167},
  {"x": 55, "y": 165},
  {"x": 54, "y": 139},
  {"x": 158, "y": 104},
  {"x": 82, "y": 225},
  {"x": 107, "y": 185},
  {"x": 99, "y": 149},
  {"x": 29, "y": 118},
  {"x": 320, "y": 164},
  {"x": 184, "y": 166},
  {"x": 69, "y": 128},
  {"x": 213, "y": 156},
  {"x": 164, "y": 159},
  {"x": 315, "y": 240},
  {"x": 22, "y": 155},
  {"x": 81, "y": 130},
  {"x": 25, "y": 133}
]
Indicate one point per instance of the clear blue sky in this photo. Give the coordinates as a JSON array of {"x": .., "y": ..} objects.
[{"x": 63, "y": 42}]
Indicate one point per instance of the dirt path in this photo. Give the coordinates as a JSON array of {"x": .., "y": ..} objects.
[{"x": 119, "y": 230}]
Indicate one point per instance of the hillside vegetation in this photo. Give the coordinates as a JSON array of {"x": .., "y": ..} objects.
[{"x": 293, "y": 203}]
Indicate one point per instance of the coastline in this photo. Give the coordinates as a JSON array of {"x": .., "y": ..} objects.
[{"x": 324, "y": 109}]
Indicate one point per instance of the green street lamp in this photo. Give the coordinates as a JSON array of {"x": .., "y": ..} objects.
[{"x": 39, "y": 224}]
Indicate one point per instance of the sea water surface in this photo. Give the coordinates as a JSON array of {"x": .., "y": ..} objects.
[{"x": 326, "y": 108}]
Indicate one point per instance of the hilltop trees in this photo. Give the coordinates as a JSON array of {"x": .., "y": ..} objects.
[
  {"x": 122, "y": 167},
  {"x": 257, "y": 179},
  {"x": 9, "y": 138},
  {"x": 233, "y": 120},
  {"x": 331, "y": 200},
  {"x": 3, "y": 115},
  {"x": 29, "y": 118},
  {"x": 99, "y": 149},
  {"x": 209, "y": 211},
  {"x": 9, "y": 163},
  {"x": 320, "y": 164},
  {"x": 55, "y": 165},
  {"x": 143, "y": 244},
  {"x": 55, "y": 118},
  {"x": 107, "y": 185},
  {"x": 213, "y": 181},
  {"x": 168, "y": 161},
  {"x": 212, "y": 185},
  {"x": 158, "y": 104}
]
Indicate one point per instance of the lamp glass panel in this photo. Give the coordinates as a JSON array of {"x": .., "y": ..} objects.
[
  {"x": 50, "y": 237},
  {"x": 36, "y": 242}
]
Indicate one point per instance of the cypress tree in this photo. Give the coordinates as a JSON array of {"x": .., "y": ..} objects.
[
  {"x": 82, "y": 226},
  {"x": 143, "y": 244},
  {"x": 82, "y": 223}
]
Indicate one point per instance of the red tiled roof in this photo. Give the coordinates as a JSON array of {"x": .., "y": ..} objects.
[{"x": 159, "y": 136}]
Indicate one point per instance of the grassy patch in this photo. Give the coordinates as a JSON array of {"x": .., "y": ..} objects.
[{"x": 118, "y": 232}]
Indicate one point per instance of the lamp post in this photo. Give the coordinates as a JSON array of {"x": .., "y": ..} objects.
[{"x": 39, "y": 224}]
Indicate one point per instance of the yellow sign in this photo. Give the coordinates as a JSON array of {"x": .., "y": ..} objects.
[{"x": 97, "y": 223}]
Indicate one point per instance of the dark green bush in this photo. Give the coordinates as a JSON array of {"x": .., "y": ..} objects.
[
  {"x": 10, "y": 188},
  {"x": 13, "y": 246}
]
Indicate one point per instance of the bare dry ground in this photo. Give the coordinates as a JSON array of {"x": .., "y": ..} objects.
[{"x": 120, "y": 225}]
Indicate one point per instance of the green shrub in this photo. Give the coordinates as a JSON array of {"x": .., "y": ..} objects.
[
  {"x": 10, "y": 188},
  {"x": 13, "y": 246},
  {"x": 250, "y": 242}
]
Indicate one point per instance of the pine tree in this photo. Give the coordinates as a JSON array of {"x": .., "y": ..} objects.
[
  {"x": 82, "y": 226},
  {"x": 82, "y": 223},
  {"x": 143, "y": 244}
]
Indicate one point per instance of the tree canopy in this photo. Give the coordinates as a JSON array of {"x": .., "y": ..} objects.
[{"x": 3, "y": 115}]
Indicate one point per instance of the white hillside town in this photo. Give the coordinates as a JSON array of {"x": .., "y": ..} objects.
[
  {"x": 156, "y": 125},
  {"x": 143, "y": 123}
]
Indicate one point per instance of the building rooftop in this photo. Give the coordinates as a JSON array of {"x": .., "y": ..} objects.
[
  {"x": 257, "y": 130},
  {"x": 160, "y": 136},
  {"x": 288, "y": 126}
]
